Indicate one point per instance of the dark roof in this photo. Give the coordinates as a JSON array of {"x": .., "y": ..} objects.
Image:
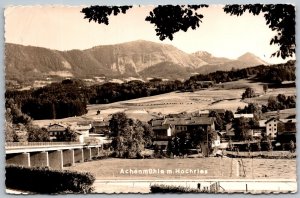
[
  {"x": 157, "y": 122},
  {"x": 291, "y": 120},
  {"x": 162, "y": 127},
  {"x": 273, "y": 118},
  {"x": 56, "y": 127},
  {"x": 218, "y": 110},
  {"x": 189, "y": 121},
  {"x": 287, "y": 133},
  {"x": 230, "y": 133},
  {"x": 84, "y": 122},
  {"x": 159, "y": 143},
  {"x": 100, "y": 124}
]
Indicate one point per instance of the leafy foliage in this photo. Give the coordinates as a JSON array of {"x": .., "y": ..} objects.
[
  {"x": 272, "y": 74},
  {"x": 241, "y": 128},
  {"x": 70, "y": 97},
  {"x": 228, "y": 116},
  {"x": 269, "y": 145},
  {"x": 69, "y": 136},
  {"x": 278, "y": 74},
  {"x": 279, "y": 17},
  {"x": 218, "y": 120},
  {"x": 255, "y": 109},
  {"x": 36, "y": 134},
  {"x": 100, "y": 14},
  {"x": 129, "y": 137},
  {"x": 10, "y": 133},
  {"x": 170, "y": 19},
  {"x": 14, "y": 114},
  {"x": 173, "y": 189},
  {"x": 58, "y": 100},
  {"x": 249, "y": 93},
  {"x": 292, "y": 146},
  {"x": 265, "y": 88},
  {"x": 45, "y": 181},
  {"x": 112, "y": 92},
  {"x": 280, "y": 102}
]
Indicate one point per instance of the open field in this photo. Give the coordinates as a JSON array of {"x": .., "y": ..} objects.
[
  {"x": 226, "y": 95},
  {"x": 253, "y": 186},
  {"x": 263, "y": 98},
  {"x": 189, "y": 168},
  {"x": 283, "y": 113}
]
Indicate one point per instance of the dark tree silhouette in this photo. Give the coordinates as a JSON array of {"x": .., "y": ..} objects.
[
  {"x": 279, "y": 18},
  {"x": 265, "y": 88},
  {"x": 100, "y": 14},
  {"x": 36, "y": 134},
  {"x": 169, "y": 19},
  {"x": 249, "y": 93}
]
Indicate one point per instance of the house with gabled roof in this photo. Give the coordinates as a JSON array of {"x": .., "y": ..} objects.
[
  {"x": 188, "y": 125},
  {"x": 168, "y": 127},
  {"x": 56, "y": 130},
  {"x": 100, "y": 127},
  {"x": 274, "y": 126},
  {"x": 286, "y": 130}
]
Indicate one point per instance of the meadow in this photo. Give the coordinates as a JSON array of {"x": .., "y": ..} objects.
[
  {"x": 189, "y": 168},
  {"x": 222, "y": 96}
]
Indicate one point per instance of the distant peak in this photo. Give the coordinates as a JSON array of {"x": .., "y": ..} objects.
[
  {"x": 203, "y": 53},
  {"x": 251, "y": 58},
  {"x": 247, "y": 54}
]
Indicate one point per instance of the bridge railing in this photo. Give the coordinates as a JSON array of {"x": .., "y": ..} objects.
[{"x": 32, "y": 144}]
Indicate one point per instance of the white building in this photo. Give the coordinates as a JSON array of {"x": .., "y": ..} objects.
[
  {"x": 243, "y": 115},
  {"x": 271, "y": 127},
  {"x": 83, "y": 131}
]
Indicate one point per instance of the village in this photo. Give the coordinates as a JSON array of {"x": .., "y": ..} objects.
[
  {"x": 199, "y": 131},
  {"x": 194, "y": 100}
]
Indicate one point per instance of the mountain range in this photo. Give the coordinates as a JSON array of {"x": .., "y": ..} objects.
[{"x": 132, "y": 59}]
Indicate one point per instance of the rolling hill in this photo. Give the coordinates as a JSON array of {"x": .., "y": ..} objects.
[
  {"x": 225, "y": 64},
  {"x": 166, "y": 70},
  {"x": 132, "y": 59}
]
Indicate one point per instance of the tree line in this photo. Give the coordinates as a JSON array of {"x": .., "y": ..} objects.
[
  {"x": 279, "y": 102},
  {"x": 70, "y": 97},
  {"x": 269, "y": 74}
]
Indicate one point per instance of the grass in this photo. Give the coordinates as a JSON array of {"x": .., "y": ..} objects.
[
  {"x": 110, "y": 169},
  {"x": 263, "y": 154},
  {"x": 228, "y": 97}
]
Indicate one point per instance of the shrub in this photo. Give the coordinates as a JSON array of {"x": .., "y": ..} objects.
[
  {"x": 46, "y": 181},
  {"x": 292, "y": 146},
  {"x": 249, "y": 93},
  {"x": 172, "y": 189}
]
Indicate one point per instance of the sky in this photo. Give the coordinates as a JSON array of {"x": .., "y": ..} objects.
[{"x": 64, "y": 28}]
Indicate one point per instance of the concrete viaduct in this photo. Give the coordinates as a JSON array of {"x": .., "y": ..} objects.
[{"x": 55, "y": 155}]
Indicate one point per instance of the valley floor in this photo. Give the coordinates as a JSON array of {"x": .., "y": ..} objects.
[
  {"x": 224, "y": 96},
  {"x": 261, "y": 175}
]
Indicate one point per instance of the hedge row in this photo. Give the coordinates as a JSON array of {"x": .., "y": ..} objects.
[
  {"x": 46, "y": 181},
  {"x": 172, "y": 189},
  {"x": 264, "y": 156}
]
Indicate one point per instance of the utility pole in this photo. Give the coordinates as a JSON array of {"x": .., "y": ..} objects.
[{"x": 207, "y": 143}]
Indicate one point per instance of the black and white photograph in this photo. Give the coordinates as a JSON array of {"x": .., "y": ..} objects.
[{"x": 170, "y": 98}]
